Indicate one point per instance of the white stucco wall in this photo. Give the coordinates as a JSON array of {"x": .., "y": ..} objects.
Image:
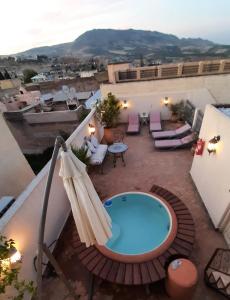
[
  {"x": 15, "y": 171},
  {"x": 21, "y": 221},
  {"x": 145, "y": 96},
  {"x": 211, "y": 173}
]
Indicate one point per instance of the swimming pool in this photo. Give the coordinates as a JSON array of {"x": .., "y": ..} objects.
[{"x": 143, "y": 226}]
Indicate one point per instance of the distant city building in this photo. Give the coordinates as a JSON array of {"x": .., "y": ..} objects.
[
  {"x": 84, "y": 74},
  {"x": 39, "y": 78}
]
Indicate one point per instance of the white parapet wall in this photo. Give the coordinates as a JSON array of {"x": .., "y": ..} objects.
[
  {"x": 211, "y": 173},
  {"x": 145, "y": 96},
  {"x": 15, "y": 171},
  {"x": 21, "y": 221}
]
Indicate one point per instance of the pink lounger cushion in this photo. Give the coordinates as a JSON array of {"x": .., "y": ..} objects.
[
  {"x": 133, "y": 128},
  {"x": 171, "y": 133},
  {"x": 134, "y": 123},
  {"x": 175, "y": 143},
  {"x": 155, "y": 117},
  {"x": 155, "y": 121},
  {"x": 167, "y": 143},
  {"x": 155, "y": 127},
  {"x": 133, "y": 119}
]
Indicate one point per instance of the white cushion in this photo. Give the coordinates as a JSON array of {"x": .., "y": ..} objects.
[
  {"x": 89, "y": 153},
  {"x": 98, "y": 157},
  {"x": 91, "y": 147},
  {"x": 94, "y": 141}
]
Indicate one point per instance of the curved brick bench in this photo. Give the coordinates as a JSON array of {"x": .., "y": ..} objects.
[{"x": 149, "y": 271}]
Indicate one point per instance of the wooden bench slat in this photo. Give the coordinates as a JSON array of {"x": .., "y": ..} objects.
[
  {"x": 181, "y": 250},
  {"x": 97, "y": 269},
  {"x": 186, "y": 232},
  {"x": 113, "y": 271},
  {"x": 186, "y": 226},
  {"x": 183, "y": 212},
  {"x": 152, "y": 271},
  {"x": 145, "y": 273},
  {"x": 89, "y": 257},
  {"x": 80, "y": 248},
  {"x": 136, "y": 274},
  {"x": 183, "y": 244},
  {"x": 178, "y": 206},
  {"x": 184, "y": 221},
  {"x": 159, "y": 268},
  {"x": 105, "y": 270},
  {"x": 94, "y": 262},
  {"x": 86, "y": 252},
  {"x": 186, "y": 238},
  {"x": 120, "y": 273},
  {"x": 128, "y": 274}
]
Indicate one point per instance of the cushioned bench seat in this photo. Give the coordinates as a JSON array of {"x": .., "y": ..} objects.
[{"x": 97, "y": 158}]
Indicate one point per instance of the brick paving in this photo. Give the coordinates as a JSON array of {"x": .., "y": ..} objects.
[{"x": 144, "y": 167}]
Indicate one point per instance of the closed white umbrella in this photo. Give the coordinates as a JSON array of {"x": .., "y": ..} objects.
[{"x": 92, "y": 220}]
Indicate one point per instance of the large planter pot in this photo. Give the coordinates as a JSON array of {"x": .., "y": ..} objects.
[{"x": 108, "y": 135}]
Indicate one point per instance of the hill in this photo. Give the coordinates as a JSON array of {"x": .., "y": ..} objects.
[{"x": 131, "y": 44}]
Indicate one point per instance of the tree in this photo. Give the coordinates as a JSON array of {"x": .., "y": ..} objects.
[
  {"x": 1, "y": 76},
  {"x": 6, "y": 74},
  {"x": 28, "y": 74}
]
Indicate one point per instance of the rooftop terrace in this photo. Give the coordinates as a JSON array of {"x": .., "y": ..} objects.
[{"x": 144, "y": 167}]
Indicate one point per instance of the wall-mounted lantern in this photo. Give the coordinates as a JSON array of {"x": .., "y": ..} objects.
[
  {"x": 13, "y": 257},
  {"x": 166, "y": 101},
  {"x": 212, "y": 144},
  {"x": 125, "y": 104},
  {"x": 92, "y": 129}
]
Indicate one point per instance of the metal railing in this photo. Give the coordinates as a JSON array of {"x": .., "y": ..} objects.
[{"x": 167, "y": 71}]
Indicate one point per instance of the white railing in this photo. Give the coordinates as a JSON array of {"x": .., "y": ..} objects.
[
  {"x": 166, "y": 71},
  {"x": 21, "y": 221}
]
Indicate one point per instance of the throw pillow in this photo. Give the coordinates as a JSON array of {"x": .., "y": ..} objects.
[
  {"x": 94, "y": 141},
  {"x": 91, "y": 147}
]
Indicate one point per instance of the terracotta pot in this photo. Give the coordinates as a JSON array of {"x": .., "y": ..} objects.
[{"x": 108, "y": 135}]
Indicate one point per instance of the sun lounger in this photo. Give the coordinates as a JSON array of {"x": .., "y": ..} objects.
[
  {"x": 180, "y": 132},
  {"x": 134, "y": 123},
  {"x": 155, "y": 121},
  {"x": 184, "y": 142}
]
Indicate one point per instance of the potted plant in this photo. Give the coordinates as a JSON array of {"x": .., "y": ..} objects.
[
  {"x": 178, "y": 111},
  {"x": 107, "y": 113},
  {"x": 81, "y": 154}
]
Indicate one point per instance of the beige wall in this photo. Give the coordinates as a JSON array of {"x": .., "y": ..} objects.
[
  {"x": 113, "y": 68},
  {"x": 146, "y": 96},
  {"x": 21, "y": 222},
  {"x": 15, "y": 172},
  {"x": 211, "y": 173},
  {"x": 217, "y": 86}
]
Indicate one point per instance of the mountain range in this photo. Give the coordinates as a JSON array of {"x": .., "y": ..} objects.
[{"x": 131, "y": 44}]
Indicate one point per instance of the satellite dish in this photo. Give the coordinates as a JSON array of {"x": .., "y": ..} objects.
[
  {"x": 72, "y": 93},
  {"x": 65, "y": 89}
]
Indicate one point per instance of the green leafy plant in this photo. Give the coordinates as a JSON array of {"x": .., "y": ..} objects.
[
  {"x": 81, "y": 154},
  {"x": 108, "y": 111},
  {"x": 178, "y": 110},
  {"x": 28, "y": 74},
  {"x": 9, "y": 273}
]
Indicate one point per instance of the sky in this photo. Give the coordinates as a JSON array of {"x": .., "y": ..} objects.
[{"x": 27, "y": 24}]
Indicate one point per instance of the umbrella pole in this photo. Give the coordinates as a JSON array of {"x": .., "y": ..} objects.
[{"x": 59, "y": 142}]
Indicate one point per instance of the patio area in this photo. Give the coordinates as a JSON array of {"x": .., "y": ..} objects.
[{"x": 145, "y": 167}]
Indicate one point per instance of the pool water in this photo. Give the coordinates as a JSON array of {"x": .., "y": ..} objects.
[{"x": 140, "y": 223}]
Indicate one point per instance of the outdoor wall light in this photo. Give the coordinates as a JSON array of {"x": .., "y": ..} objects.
[
  {"x": 125, "y": 104},
  {"x": 92, "y": 129},
  {"x": 14, "y": 256},
  {"x": 212, "y": 144},
  {"x": 166, "y": 101}
]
